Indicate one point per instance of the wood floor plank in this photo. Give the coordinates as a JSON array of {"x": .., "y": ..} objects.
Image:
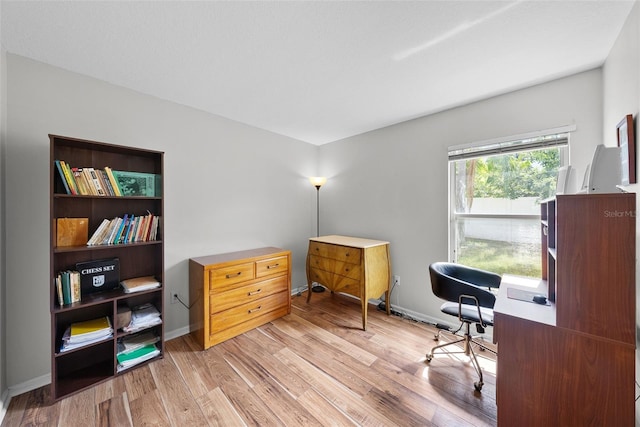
[
  {"x": 38, "y": 412},
  {"x": 335, "y": 392},
  {"x": 289, "y": 410},
  {"x": 177, "y": 399},
  {"x": 148, "y": 410},
  {"x": 335, "y": 341},
  {"x": 323, "y": 410},
  {"x": 139, "y": 382},
  {"x": 218, "y": 410},
  {"x": 109, "y": 389},
  {"x": 79, "y": 411},
  {"x": 113, "y": 412},
  {"x": 313, "y": 367},
  {"x": 192, "y": 367},
  {"x": 248, "y": 351},
  {"x": 16, "y": 410}
]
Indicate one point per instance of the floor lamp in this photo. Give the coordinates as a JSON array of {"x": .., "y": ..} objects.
[{"x": 318, "y": 181}]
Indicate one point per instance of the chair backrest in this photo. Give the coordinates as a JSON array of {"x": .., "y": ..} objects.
[{"x": 449, "y": 281}]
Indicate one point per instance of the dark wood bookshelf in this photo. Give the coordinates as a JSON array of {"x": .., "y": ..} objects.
[{"x": 78, "y": 369}]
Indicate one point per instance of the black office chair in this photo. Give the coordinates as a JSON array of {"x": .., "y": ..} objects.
[{"x": 469, "y": 298}]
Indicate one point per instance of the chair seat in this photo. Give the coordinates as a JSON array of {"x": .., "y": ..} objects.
[{"x": 469, "y": 312}]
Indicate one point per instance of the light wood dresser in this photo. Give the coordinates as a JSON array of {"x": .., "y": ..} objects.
[
  {"x": 350, "y": 265},
  {"x": 234, "y": 292}
]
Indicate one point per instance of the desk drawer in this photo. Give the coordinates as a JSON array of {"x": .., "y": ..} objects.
[
  {"x": 335, "y": 282},
  {"x": 272, "y": 266},
  {"x": 337, "y": 252},
  {"x": 222, "y": 278},
  {"x": 342, "y": 268},
  {"x": 246, "y": 294},
  {"x": 245, "y": 312}
]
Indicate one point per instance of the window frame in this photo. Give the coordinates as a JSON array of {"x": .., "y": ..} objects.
[{"x": 499, "y": 146}]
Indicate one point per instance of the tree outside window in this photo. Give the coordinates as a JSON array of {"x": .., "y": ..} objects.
[{"x": 496, "y": 209}]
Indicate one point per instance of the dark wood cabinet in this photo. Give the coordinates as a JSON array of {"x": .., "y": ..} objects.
[
  {"x": 75, "y": 370},
  {"x": 572, "y": 362}
]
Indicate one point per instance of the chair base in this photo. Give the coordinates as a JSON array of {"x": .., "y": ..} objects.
[{"x": 467, "y": 339}]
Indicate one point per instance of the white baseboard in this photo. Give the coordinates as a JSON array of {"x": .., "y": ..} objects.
[
  {"x": 176, "y": 333},
  {"x": 4, "y": 404}
]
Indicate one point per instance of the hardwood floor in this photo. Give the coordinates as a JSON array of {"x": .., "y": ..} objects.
[{"x": 314, "y": 367}]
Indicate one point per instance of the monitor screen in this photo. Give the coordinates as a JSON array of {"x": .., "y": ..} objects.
[{"x": 562, "y": 182}]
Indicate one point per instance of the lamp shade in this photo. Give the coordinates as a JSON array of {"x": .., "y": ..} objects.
[{"x": 317, "y": 181}]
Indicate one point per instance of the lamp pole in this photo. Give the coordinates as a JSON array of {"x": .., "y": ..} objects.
[
  {"x": 318, "y": 210},
  {"x": 317, "y": 181}
]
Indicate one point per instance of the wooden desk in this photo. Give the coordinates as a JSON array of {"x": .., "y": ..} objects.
[
  {"x": 351, "y": 265},
  {"x": 234, "y": 292},
  {"x": 550, "y": 375}
]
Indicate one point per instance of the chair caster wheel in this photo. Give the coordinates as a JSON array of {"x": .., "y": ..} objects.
[
  {"x": 478, "y": 385},
  {"x": 429, "y": 357}
]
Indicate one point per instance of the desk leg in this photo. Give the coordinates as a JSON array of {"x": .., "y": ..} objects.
[
  {"x": 309, "y": 283},
  {"x": 365, "y": 304},
  {"x": 387, "y": 301}
]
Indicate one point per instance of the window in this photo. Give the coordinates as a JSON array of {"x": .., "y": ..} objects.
[{"x": 495, "y": 191}]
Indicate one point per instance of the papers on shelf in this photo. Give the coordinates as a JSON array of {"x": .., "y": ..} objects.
[
  {"x": 143, "y": 317},
  {"x": 136, "y": 348},
  {"x": 139, "y": 355},
  {"x": 138, "y": 284},
  {"x": 136, "y": 341},
  {"x": 84, "y": 333}
]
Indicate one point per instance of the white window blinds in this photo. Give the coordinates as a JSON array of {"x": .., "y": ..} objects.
[{"x": 524, "y": 142}]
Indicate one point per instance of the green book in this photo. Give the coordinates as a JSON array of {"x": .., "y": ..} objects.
[
  {"x": 66, "y": 287},
  {"x": 136, "y": 354}
]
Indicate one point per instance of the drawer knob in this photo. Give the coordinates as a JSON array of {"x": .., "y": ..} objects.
[
  {"x": 253, "y": 310},
  {"x": 272, "y": 266},
  {"x": 257, "y": 291},
  {"x": 229, "y": 276}
]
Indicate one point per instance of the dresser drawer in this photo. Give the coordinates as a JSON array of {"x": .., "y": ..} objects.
[
  {"x": 222, "y": 278},
  {"x": 335, "y": 282},
  {"x": 245, "y": 312},
  {"x": 272, "y": 266},
  {"x": 339, "y": 267},
  {"x": 337, "y": 252},
  {"x": 246, "y": 294}
]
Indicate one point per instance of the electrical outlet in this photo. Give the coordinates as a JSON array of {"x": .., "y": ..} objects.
[
  {"x": 396, "y": 280},
  {"x": 174, "y": 298}
]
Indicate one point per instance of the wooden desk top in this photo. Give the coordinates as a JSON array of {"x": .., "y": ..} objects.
[
  {"x": 355, "y": 242},
  {"x": 523, "y": 309}
]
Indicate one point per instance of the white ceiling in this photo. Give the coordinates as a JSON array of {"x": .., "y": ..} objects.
[{"x": 317, "y": 71}]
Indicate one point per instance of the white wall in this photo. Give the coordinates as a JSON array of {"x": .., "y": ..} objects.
[
  {"x": 3, "y": 120},
  {"x": 621, "y": 79},
  {"x": 391, "y": 184},
  {"x": 228, "y": 187}
]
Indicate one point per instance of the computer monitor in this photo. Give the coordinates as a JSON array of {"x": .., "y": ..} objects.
[
  {"x": 605, "y": 172},
  {"x": 562, "y": 182}
]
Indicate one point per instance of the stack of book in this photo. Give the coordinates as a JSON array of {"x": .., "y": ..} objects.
[
  {"x": 68, "y": 287},
  {"x": 143, "y": 317},
  {"x": 128, "y": 229},
  {"x": 139, "y": 284},
  {"x": 137, "y": 348},
  {"x": 89, "y": 181},
  {"x": 80, "y": 334}
]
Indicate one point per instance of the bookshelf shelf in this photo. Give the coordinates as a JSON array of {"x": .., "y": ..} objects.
[
  {"x": 75, "y": 370},
  {"x": 85, "y": 248}
]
